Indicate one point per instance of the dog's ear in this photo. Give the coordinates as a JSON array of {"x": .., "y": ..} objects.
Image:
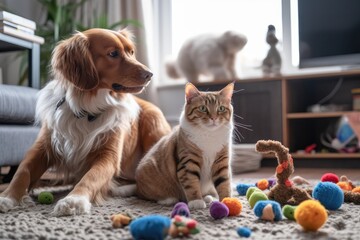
[{"x": 72, "y": 60}]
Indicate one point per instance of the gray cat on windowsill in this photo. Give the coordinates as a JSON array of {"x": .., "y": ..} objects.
[{"x": 209, "y": 55}]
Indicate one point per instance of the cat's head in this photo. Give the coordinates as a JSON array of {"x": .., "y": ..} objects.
[{"x": 209, "y": 110}]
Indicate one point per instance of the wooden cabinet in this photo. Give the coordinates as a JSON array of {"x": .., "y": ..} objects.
[{"x": 278, "y": 108}]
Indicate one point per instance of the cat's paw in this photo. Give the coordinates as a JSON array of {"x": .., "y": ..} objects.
[
  {"x": 168, "y": 201},
  {"x": 72, "y": 205},
  {"x": 197, "y": 204},
  {"x": 125, "y": 191},
  {"x": 6, "y": 204}
]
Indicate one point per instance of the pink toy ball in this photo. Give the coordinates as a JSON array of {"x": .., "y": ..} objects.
[{"x": 330, "y": 177}]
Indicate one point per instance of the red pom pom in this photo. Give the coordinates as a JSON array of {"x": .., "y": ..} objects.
[{"x": 330, "y": 177}]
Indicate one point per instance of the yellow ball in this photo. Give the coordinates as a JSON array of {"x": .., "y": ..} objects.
[{"x": 311, "y": 215}]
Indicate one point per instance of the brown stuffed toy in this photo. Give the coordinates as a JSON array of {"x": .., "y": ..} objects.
[{"x": 284, "y": 192}]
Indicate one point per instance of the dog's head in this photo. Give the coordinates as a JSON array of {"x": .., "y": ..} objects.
[{"x": 100, "y": 58}]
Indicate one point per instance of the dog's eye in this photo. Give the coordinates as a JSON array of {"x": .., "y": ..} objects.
[{"x": 114, "y": 54}]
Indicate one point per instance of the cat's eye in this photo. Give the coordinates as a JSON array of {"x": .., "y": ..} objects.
[
  {"x": 132, "y": 52},
  {"x": 221, "y": 109},
  {"x": 114, "y": 54},
  {"x": 203, "y": 108}
]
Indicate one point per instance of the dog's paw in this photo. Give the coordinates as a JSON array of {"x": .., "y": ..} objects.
[
  {"x": 6, "y": 204},
  {"x": 125, "y": 191},
  {"x": 197, "y": 204},
  {"x": 72, "y": 205}
]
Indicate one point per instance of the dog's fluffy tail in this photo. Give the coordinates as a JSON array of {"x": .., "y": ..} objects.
[
  {"x": 171, "y": 69},
  {"x": 270, "y": 146}
]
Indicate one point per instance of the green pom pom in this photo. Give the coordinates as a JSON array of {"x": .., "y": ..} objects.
[
  {"x": 250, "y": 191},
  {"x": 46, "y": 198},
  {"x": 257, "y": 196},
  {"x": 289, "y": 211}
]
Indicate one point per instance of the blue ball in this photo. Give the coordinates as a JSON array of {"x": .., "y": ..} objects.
[
  {"x": 275, "y": 207},
  {"x": 242, "y": 188},
  {"x": 244, "y": 232},
  {"x": 329, "y": 195},
  {"x": 152, "y": 227}
]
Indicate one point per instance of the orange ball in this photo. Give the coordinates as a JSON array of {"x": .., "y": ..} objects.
[
  {"x": 311, "y": 215},
  {"x": 263, "y": 184},
  {"x": 345, "y": 186},
  {"x": 356, "y": 190},
  {"x": 234, "y": 205}
]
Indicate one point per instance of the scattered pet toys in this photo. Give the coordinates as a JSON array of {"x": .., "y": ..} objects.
[
  {"x": 284, "y": 192},
  {"x": 152, "y": 227},
  {"x": 183, "y": 227},
  {"x": 121, "y": 220},
  {"x": 311, "y": 215},
  {"x": 244, "y": 232},
  {"x": 218, "y": 210},
  {"x": 268, "y": 210},
  {"x": 234, "y": 205},
  {"x": 241, "y": 188},
  {"x": 181, "y": 209},
  {"x": 329, "y": 194},
  {"x": 330, "y": 177},
  {"x": 46, "y": 198},
  {"x": 289, "y": 211},
  {"x": 272, "y": 62},
  {"x": 345, "y": 184},
  {"x": 257, "y": 196},
  {"x": 299, "y": 180},
  {"x": 262, "y": 184}
]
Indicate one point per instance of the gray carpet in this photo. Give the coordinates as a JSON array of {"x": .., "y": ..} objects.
[{"x": 37, "y": 223}]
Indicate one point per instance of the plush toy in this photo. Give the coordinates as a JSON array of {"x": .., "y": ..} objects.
[
  {"x": 257, "y": 196},
  {"x": 218, "y": 210},
  {"x": 152, "y": 227},
  {"x": 46, "y": 198},
  {"x": 284, "y": 192},
  {"x": 268, "y": 210},
  {"x": 329, "y": 194},
  {"x": 330, "y": 177},
  {"x": 262, "y": 184},
  {"x": 241, "y": 188},
  {"x": 183, "y": 227},
  {"x": 272, "y": 62},
  {"x": 298, "y": 180},
  {"x": 311, "y": 215},
  {"x": 234, "y": 205},
  {"x": 345, "y": 184},
  {"x": 181, "y": 209},
  {"x": 244, "y": 232},
  {"x": 120, "y": 220},
  {"x": 356, "y": 190},
  {"x": 289, "y": 211}
]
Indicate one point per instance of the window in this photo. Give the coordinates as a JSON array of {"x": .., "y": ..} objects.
[{"x": 177, "y": 20}]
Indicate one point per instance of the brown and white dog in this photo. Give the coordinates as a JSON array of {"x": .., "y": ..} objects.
[{"x": 93, "y": 128}]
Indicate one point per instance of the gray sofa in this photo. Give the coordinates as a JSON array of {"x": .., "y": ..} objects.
[{"x": 17, "y": 130}]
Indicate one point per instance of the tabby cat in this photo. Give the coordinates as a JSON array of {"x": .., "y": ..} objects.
[{"x": 192, "y": 163}]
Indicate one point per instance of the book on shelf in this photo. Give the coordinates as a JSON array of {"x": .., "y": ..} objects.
[
  {"x": 10, "y": 17},
  {"x": 16, "y": 26},
  {"x": 20, "y": 34}
]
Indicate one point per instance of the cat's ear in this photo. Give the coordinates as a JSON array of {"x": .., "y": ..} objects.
[
  {"x": 227, "y": 91},
  {"x": 190, "y": 92}
]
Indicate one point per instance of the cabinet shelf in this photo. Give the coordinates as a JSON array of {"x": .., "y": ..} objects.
[
  {"x": 316, "y": 115},
  {"x": 327, "y": 155}
]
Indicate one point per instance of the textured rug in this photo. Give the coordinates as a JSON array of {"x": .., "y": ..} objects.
[{"x": 38, "y": 223}]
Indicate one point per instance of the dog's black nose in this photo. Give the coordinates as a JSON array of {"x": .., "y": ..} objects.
[{"x": 146, "y": 75}]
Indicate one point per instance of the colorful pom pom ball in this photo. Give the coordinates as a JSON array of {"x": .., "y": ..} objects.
[
  {"x": 329, "y": 194},
  {"x": 330, "y": 177},
  {"x": 345, "y": 186},
  {"x": 181, "y": 209},
  {"x": 268, "y": 210},
  {"x": 257, "y": 196},
  {"x": 356, "y": 190},
  {"x": 242, "y": 188},
  {"x": 289, "y": 211},
  {"x": 46, "y": 198},
  {"x": 311, "y": 215},
  {"x": 262, "y": 184},
  {"x": 250, "y": 191},
  {"x": 244, "y": 232},
  {"x": 234, "y": 205},
  {"x": 152, "y": 227},
  {"x": 218, "y": 210}
]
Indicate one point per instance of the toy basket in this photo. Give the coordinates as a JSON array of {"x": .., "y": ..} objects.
[{"x": 245, "y": 158}]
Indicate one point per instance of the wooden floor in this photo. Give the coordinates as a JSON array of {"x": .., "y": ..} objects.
[{"x": 307, "y": 173}]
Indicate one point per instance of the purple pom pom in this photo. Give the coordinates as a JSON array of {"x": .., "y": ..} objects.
[
  {"x": 181, "y": 209},
  {"x": 218, "y": 210}
]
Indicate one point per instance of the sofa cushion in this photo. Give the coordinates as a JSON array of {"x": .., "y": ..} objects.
[{"x": 17, "y": 104}]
